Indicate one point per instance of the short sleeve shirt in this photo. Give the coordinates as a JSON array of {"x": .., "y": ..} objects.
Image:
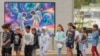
[
  {"x": 17, "y": 39},
  {"x": 5, "y": 37},
  {"x": 70, "y": 34}
]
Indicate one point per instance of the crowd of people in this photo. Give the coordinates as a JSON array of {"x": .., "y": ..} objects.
[
  {"x": 32, "y": 41},
  {"x": 80, "y": 38},
  {"x": 15, "y": 39}
]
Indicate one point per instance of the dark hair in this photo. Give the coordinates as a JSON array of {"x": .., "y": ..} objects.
[
  {"x": 5, "y": 26},
  {"x": 28, "y": 27},
  {"x": 33, "y": 12},
  {"x": 24, "y": 14},
  {"x": 70, "y": 24},
  {"x": 8, "y": 24},
  {"x": 74, "y": 27},
  {"x": 59, "y": 25},
  {"x": 85, "y": 30},
  {"x": 34, "y": 29},
  {"x": 95, "y": 26}
]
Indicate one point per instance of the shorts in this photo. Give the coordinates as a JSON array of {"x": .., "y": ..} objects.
[
  {"x": 17, "y": 48},
  {"x": 70, "y": 45}
]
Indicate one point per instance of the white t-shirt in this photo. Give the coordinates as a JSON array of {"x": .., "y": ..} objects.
[
  {"x": 28, "y": 38},
  {"x": 77, "y": 33}
]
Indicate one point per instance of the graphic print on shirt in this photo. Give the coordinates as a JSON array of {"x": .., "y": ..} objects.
[
  {"x": 4, "y": 37},
  {"x": 16, "y": 41},
  {"x": 27, "y": 37},
  {"x": 70, "y": 36}
]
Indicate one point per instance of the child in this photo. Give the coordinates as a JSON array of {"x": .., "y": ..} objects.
[
  {"x": 6, "y": 41},
  {"x": 28, "y": 40},
  {"x": 12, "y": 37},
  {"x": 44, "y": 41},
  {"x": 83, "y": 43},
  {"x": 36, "y": 44},
  {"x": 77, "y": 41},
  {"x": 95, "y": 36},
  {"x": 60, "y": 38},
  {"x": 17, "y": 41},
  {"x": 70, "y": 41}
]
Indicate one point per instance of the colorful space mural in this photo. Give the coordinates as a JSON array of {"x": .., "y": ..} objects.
[{"x": 34, "y": 14}]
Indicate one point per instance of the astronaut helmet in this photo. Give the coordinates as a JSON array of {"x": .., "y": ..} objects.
[{"x": 44, "y": 29}]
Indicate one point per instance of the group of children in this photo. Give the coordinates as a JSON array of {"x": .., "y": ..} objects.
[
  {"x": 32, "y": 41},
  {"x": 79, "y": 38}
]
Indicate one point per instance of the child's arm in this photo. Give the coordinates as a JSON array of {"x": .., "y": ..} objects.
[
  {"x": 64, "y": 36},
  {"x": 76, "y": 38},
  {"x": 85, "y": 39},
  {"x": 95, "y": 34},
  {"x": 6, "y": 42},
  {"x": 21, "y": 39},
  {"x": 56, "y": 37}
]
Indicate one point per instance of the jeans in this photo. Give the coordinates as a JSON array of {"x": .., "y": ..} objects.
[{"x": 59, "y": 52}]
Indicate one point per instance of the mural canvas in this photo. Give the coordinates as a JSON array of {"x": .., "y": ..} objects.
[{"x": 34, "y": 14}]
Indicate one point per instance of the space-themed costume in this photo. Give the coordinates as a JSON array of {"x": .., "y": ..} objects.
[{"x": 44, "y": 40}]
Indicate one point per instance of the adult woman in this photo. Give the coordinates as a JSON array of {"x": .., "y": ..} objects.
[{"x": 60, "y": 38}]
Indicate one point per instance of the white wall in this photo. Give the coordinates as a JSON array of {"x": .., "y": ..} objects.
[{"x": 64, "y": 10}]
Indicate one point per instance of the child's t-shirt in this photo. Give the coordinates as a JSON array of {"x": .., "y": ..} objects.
[
  {"x": 17, "y": 39},
  {"x": 70, "y": 34},
  {"x": 12, "y": 35},
  {"x": 28, "y": 38},
  {"x": 5, "y": 37}
]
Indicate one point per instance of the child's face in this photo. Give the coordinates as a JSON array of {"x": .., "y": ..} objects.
[
  {"x": 17, "y": 31},
  {"x": 59, "y": 28},
  {"x": 33, "y": 31},
  {"x": 93, "y": 29},
  {"x": 69, "y": 27},
  {"x": 43, "y": 30},
  {"x": 10, "y": 27},
  {"x": 27, "y": 30},
  {"x": 5, "y": 30}
]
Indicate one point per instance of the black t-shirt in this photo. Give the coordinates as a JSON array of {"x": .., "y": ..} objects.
[
  {"x": 12, "y": 36},
  {"x": 17, "y": 39}
]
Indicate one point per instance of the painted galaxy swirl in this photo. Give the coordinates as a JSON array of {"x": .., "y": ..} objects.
[{"x": 34, "y": 14}]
